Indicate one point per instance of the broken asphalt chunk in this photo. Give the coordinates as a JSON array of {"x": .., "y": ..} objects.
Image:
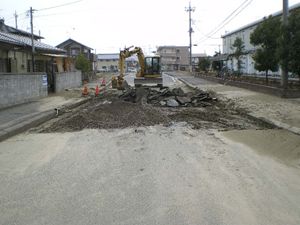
[
  {"x": 183, "y": 100},
  {"x": 172, "y": 103}
]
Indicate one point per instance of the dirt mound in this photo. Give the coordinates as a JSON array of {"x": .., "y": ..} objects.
[
  {"x": 101, "y": 114},
  {"x": 109, "y": 112}
]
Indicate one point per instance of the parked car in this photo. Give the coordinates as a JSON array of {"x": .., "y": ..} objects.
[{"x": 101, "y": 70}]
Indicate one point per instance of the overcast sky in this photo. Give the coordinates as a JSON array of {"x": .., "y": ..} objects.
[{"x": 108, "y": 25}]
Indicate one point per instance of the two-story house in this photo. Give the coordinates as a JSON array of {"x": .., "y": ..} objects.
[{"x": 74, "y": 48}]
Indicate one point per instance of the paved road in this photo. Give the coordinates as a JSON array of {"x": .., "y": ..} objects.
[
  {"x": 168, "y": 81},
  {"x": 148, "y": 176}
]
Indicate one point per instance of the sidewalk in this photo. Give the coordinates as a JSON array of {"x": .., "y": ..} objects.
[
  {"x": 283, "y": 113},
  {"x": 16, "y": 119},
  {"x": 19, "y": 118}
]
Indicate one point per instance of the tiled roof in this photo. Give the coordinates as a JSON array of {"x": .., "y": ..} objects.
[
  {"x": 199, "y": 55},
  {"x": 26, "y": 42},
  {"x": 171, "y": 47},
  {"x": 8, "y": 29},
  {"x": 70, "y": 41},
  {"x": 108, "y": 56},
  {"x": 114, "y": 56}
]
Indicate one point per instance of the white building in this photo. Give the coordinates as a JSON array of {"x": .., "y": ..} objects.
[
  {"x": 244, "y": 33},
  {"x": 110, "y": 62}
]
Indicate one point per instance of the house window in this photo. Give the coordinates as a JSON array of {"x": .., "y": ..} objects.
[
  {"x": 74, "y": 51},
  {"x": 39, "y": 66},
  {"x": 177, "y": 50}
]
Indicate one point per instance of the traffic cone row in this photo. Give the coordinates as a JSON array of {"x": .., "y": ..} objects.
[{"x": 85, "y": 90}]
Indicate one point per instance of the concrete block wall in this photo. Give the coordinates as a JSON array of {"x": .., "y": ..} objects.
[
  {"x": 21, "y": 88},
  {"x": 67, "y": 80}
]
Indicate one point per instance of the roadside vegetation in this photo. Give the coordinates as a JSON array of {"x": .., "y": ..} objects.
[{"x": 268, "y": 37}]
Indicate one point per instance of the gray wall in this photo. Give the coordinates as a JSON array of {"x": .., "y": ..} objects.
[
  {"x": 67, "y": 80},
  {"x": 20, "y": 88}
]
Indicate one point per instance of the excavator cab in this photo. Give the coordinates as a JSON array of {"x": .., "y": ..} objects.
[
  {"x": 152, "y": 66},
  {"x": 152, "y": 73}
]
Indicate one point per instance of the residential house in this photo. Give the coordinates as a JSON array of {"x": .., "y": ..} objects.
[
  {"x": 16, "y": 51},
  {"x": 74, "y": 48},
  {"x": 244, "y": 33},
  {"x": 107, "y": 62},
  {"x": 110, "y": 62},
  {"x": 174, "y": 57},
  {"x": 196, "y": 59},
  {"x": 26, "y": 74}
]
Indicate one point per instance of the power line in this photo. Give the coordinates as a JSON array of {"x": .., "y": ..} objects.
[
  {"x": 203, "y": 34},
  {"x": 232, "y": 13},
  {"x": 228, "y": 19},
  {"x": 62, "y": 5}
]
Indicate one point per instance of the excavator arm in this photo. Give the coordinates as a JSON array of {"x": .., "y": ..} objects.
[
  {"x": 127, "y": 53},
  {"x": 151, "y": 74}
]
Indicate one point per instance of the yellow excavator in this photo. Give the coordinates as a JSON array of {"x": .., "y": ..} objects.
[{"x": 149, "y": 72}]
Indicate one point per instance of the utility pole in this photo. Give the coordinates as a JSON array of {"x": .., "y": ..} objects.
[
  {"x": 16, "y": 19},
  {"x": 190, "y": 10},
  {"x": 32, "y": 38},
  {"x": 284, "y": 73}
]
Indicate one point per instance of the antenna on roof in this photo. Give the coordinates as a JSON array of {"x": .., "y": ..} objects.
[{"x": 16, "y": 19}]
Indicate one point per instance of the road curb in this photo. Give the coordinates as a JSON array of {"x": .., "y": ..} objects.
[
  {"x": 274, "y": 123},
  {"x": 37, "y": 119}
]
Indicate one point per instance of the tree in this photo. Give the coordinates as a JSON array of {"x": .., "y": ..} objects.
[
  {"x": 265, "y": 36},
  {"x": 204, "y": 64},
  {"x": 217, "y": 65},
  {"x": 83, "y": 64},
  {"x": 239, "y": 49},
  {"x": 293, "y": 31}
]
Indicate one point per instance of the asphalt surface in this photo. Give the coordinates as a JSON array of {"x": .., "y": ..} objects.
[{"x": 155, "y": 175}]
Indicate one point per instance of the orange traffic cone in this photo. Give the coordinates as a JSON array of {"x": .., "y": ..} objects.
[
  {"x": 85, "y": 90},
  {"x": 97, "y": 91},
  {"x": 103, "y": 82}
]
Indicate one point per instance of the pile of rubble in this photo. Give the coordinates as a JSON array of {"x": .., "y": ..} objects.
[{"x": 168, "y": 97}]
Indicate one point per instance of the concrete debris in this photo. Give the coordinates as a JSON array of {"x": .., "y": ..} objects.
[
  {"x": 163, "y": 103},
  {"x": 178, "y": 92},
  {"x": 172, "y": 103},
  {"x": 167, "y": 97},
  {"x": 183, "y": 100}
]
